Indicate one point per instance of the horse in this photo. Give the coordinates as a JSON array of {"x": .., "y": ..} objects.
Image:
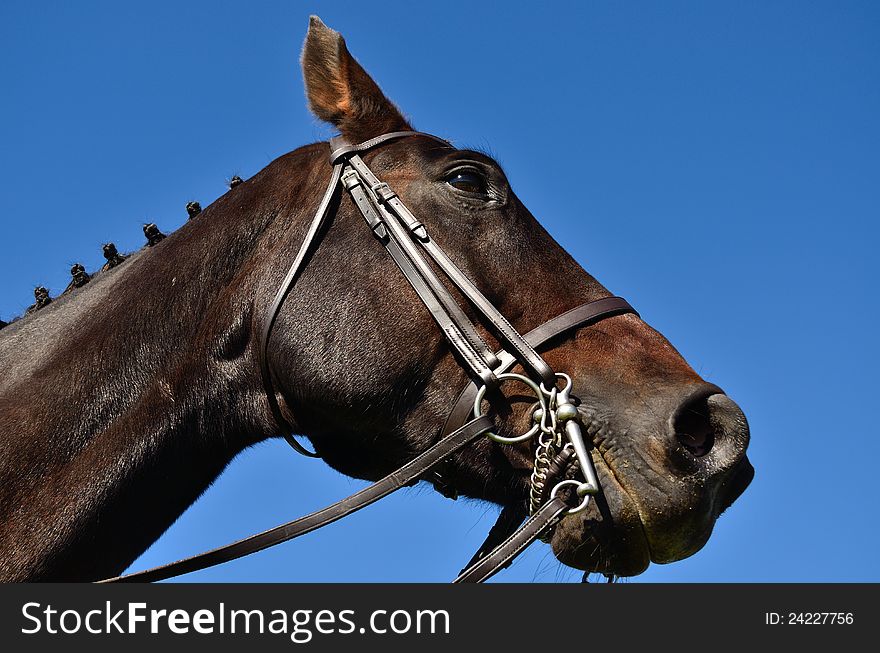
[{"x": 123, "y": 399}]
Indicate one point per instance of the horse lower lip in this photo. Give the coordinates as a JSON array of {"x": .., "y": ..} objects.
[{"x": 609, "y": 538}]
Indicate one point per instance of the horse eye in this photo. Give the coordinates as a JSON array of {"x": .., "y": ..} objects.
[{"x": 468, "y": 181}]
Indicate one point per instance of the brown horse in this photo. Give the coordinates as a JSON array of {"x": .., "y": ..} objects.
[{"x": 123, "y": 399}]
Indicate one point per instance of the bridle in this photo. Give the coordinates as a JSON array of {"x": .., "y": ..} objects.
[{"x": 556, "y": 430}]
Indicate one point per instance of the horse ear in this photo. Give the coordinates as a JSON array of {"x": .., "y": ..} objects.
[{"x": 340, "y": 91}]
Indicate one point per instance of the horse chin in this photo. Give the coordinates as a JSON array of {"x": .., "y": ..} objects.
[{"x": 608, "y": 537}]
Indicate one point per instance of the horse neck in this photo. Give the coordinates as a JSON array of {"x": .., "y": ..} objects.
[{"x": 121, "y": 403}]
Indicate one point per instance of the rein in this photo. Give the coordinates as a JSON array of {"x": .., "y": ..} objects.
[{"x": 556, "y": 428}]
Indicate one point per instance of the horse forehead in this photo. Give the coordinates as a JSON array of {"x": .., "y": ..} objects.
[{"x": 420, "y": 151}]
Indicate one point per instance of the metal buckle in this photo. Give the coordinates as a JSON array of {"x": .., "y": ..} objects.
[
  {"x": 383, "y": 192},
  {"x": 350, "y": 179}
]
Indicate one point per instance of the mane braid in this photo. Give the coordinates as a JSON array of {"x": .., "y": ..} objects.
[
  {"x": 41, "y": 295},
  {"x": 80, "y": 277},
  {"x": 154, "y": 236}
]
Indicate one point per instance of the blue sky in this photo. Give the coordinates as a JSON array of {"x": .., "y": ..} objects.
[{"x": 715, "y": 163}]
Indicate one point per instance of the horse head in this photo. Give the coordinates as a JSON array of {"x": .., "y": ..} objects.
[{"x": 363, "y": 370}]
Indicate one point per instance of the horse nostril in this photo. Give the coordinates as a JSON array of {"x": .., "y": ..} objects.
[{"x": 692, "y": 425}]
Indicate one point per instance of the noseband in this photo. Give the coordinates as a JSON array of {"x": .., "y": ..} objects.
[{"x": 555, "y": 428}]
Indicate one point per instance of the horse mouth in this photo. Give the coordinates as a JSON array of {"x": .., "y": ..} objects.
[
  {"x": 609, "y": 538},
  {"x": 615, "y": 538}
]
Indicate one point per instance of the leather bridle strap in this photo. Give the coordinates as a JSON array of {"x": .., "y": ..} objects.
[
  {"x": 509, "y": 520},
  {"x": 577, "y": 317},
  {"x": 315, "y": 228},
  {"x": 489, "y": 565},
  {"x": 406, "y": 230},
  {"x": 455, "y": 325},
  {"x": 312, "y": 237},
  {"x": 403, "y": 476}
]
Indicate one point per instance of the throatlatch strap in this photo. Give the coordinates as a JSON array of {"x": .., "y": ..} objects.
[{"x": 339, "y": 149}]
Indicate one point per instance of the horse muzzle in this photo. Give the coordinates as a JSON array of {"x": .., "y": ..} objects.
[{"x": 663, "y": 482}]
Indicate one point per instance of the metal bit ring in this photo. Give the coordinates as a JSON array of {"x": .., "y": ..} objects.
[
  {"x": 584, "y": 502},
  {"x": 510, "y": 376}
]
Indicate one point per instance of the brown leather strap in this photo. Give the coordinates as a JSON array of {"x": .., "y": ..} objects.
[
  {"x": 315, "y": 228},
  {"x": 455, "y": 325},
  {"x": 411, "y": 236},
  {"x": 394, "y": 481},
  {"x": 339, "y": 149},
  {"x": 577, "y": 317},
  {"x": 508, "y": 521},
  {"x": 503, "y": 555}
]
